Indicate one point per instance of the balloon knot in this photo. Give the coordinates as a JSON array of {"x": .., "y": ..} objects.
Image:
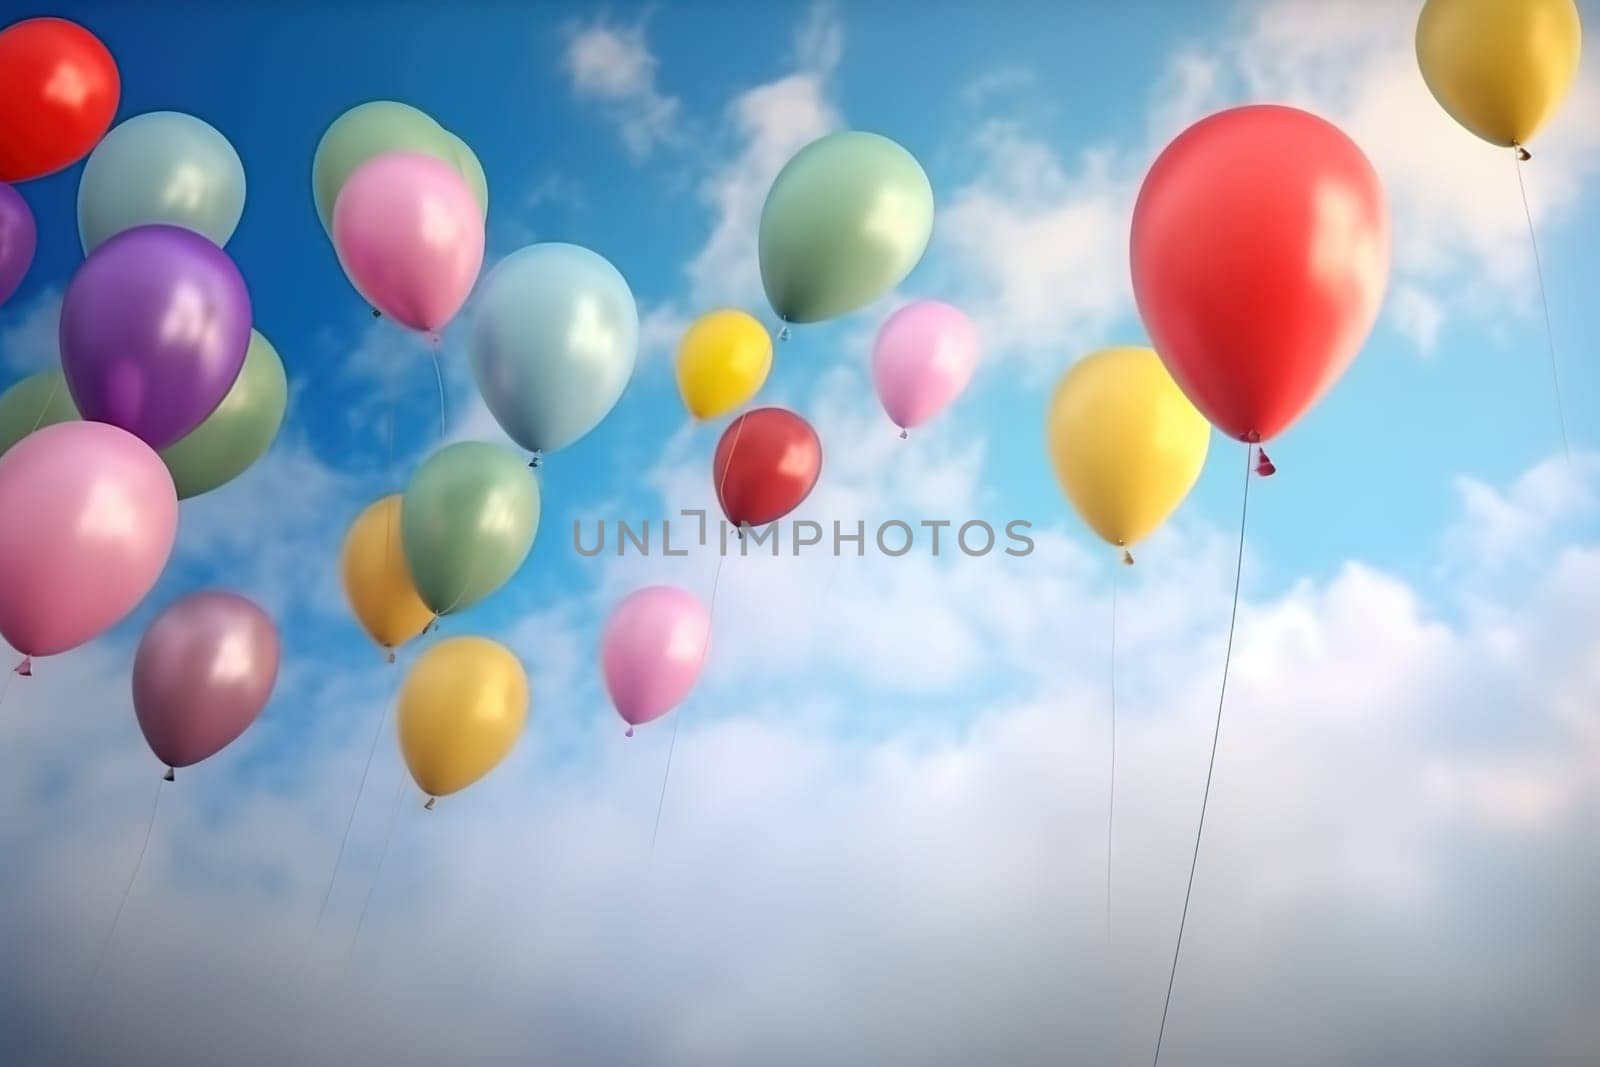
[
  {"x": 433, "y": 339},
  {"x": 783, "y": 334},
  {"x": 429, "y": 805},
  {"x": 903, "y": 435},
  {"x": 1523, "y": 155},
  {"x": 25, "y": 668},
  {"x": 1264, "y": 465},
  {"x": 628, "y": 732},
  {"x": 377, "y": 314},
  {"x": 535, "y": 459},
  {"x": 1127, "y": 558},
  {"x": 170, "y": 776},
  {"x": 391, "y": 655}
]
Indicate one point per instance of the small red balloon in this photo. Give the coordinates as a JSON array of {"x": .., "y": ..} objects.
[
  {"x": 58, "y": 92},
  {"x": 766, "y": 463},
  {"x": 1260, "y": 253}
]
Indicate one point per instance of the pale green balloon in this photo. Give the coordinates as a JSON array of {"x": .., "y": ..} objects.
[
  {"x": 372, "y": 129},
  {"x": 239, "y": 431},
  {"x": 846, "y": 220},
  {"x": 36, "y": 401},
  {"x": 467, "y": 163},
  {"x": 467, "y": 522}
]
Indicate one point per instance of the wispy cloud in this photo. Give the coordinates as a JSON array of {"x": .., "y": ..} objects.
[{"x": 612, "y": 65}]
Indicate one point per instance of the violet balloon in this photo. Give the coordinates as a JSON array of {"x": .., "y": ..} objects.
[
  {"x": 652, "y": 650},
  {"x": 18, "y": 239},
  {"x": 409, "y": 234},
  {"x": 923, "y": 358},
  {"x": 87, "y": 519},
  {"x": 154, "y": 329},
  {"x": 204, "y": 670}
]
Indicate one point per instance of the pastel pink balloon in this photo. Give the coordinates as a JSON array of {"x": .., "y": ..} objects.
[
  {"x": 204, "y": 670},
  {"x": 87, "y": 519},
  {"x": 923, "y": 358},
  {"x": 651, "y": 651},
  {"x": 409, "y": 234}
]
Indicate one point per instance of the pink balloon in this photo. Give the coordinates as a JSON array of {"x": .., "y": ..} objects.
[
  {"x": 203, "y": 672},
  {"x": 923, "y": 358},
  {"x": 651, "y": 652},
  {"x": 409, "y": 234},
  {"x": 87, "y": 519}
]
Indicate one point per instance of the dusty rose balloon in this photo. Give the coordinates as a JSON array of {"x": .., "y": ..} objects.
[
  {"x": 651, "y": 652},
  {"x": 203, "y": 672},
  {"x": 87, "y": 519},
  {"x": 923, "y": 358},
  {"x": 409, "y": 234}
]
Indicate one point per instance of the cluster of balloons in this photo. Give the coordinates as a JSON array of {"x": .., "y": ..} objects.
[{"x": 164, "y": 391}]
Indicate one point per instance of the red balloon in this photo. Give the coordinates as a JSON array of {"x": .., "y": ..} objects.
[
  {"x": 766, "y": 463},
  {"x": 58, "y": 93},
  {"x": 1260, "y": 253}
]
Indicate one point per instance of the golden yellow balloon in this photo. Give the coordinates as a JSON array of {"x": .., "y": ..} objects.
[
  {"x": 1499, "y": 67},
  {"x": 461, "y": 709},
  {"x": 723, "y": 361},
  {"x": 377, "y": 581},
  {"x": 1126, "y": 443}
]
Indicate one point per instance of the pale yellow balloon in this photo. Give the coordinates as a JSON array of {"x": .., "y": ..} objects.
[
  {"x": 377, "y": 581},
  {"x": 723, "y": 361},
  {"x": 1126, "y": 443},
  {"x": 1500, "y": 67},
  {"x": 461, "y": 709}
]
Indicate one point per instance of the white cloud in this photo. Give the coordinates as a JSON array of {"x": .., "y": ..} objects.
[{"x": 613, "y": 65}]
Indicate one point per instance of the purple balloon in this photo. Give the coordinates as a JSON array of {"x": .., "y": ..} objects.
[
  {"x": 18, "y": 238},
  {"x": 154, "y": 329},
  {"x": 203, "y": 672}
]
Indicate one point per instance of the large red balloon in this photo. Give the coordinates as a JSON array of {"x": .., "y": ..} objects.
[
  {"x": 766, "y": 464},
  {"x": 1260, "y": 254},
  {"x": 58, "y": 93}
]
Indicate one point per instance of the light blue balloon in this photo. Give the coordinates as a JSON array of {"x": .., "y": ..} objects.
[
  {"x": 553, "y": 343},
  {"x": 162, "y": 166}
]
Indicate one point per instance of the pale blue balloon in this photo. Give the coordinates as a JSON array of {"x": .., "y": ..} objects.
[
  {"x": 161, "y": 167},
  {"x": 553, "y": 343}
]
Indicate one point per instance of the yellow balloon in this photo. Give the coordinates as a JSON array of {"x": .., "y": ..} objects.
[
  {"x": 1126, "y": 443},
  {"x": 461, "y": 709},
  {"x": 377, "y": 581},
  {"x": 722, "y": 362},
  {"x": 1499, "y": 67}
]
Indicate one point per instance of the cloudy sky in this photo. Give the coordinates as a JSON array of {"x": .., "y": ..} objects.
[{"x": 884, "y": 837}]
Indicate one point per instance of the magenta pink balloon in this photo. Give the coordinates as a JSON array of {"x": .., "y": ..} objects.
[
  {"x": 651, "y": 652},
  {"x": 923, "y": 358},
  {"x": 203, "y": 672},
  {"x": 87, "y": 519},
  {"x": 409, "y": 234}
]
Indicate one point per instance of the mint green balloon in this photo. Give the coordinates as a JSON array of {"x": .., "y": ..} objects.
[
  {"x": 239, "y": 431},
  {"x": 846, "y": 220},
  {"x": 36, "y": 401},
  {"x": 372, "y": 129},
  {"x": 466, "y": 161},
  {"x": 467, "y": 522}
]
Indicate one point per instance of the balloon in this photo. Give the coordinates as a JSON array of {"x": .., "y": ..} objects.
[
  {"x": 1501, "y": 69},
  {"x": 377, "y": 581},
  {"x": 652, "y": 650},
  {"x": 1260, "y": 253},
  {"x": 723, "y": 360},
  {"x": 410, "y": 237},
  {"x": 239, "y": 431},
  {"x": 204, "y": 670},
  {"x": 466, "y": 161},
  {"x": 553, "y": 343},
  {"x": 462, "y": 706},
  {"x": 467, "y": 523},
  {"x": 18, "y": 239},
  {"x": 1126, "y": 443},
  {"x": 154, "y": 329},
  {"x": 846, "y": 220},
  {"x": 35, "y": 402},
  {"x": 58, "y": 92},
  {"x": 766, "y": 463},
  {"x": 923, "y": 358},
  {"x": 372, "y": 129},
  {"x": 89, "y": 520},
  {"x": 162, "y": 166}
]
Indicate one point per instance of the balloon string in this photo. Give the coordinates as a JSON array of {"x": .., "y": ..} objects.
[
  {"x": 127, "y": 890},
  {"x": 361, "y": 790},
  {"x": 55, "y": 386},
  {"x": 1216, "y": 732},
  {"x": 1544, "y": 301},
  {"x": 1111, "y": 804},
  {"x": 705, "y": 647},
  {"x": 377, "y": 875},
  {"x": 438, "y": 378},
  {"x": 388, "y": 527}
]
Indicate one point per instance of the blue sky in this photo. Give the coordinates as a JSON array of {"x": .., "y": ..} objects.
[{"x": 885, "y": 829}]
